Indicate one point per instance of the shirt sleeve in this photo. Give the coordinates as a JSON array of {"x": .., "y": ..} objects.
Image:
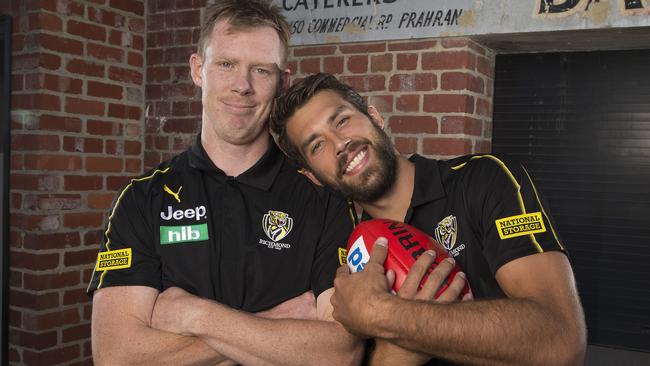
[
  {"x": 127, "y": 256},
  {"x": 330, "y": 252},
  {"x": 514, "y": 220}
]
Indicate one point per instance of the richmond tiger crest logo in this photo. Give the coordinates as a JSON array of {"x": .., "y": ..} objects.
[
  {"x": 446, "y": 232},
  {"x": 277, "y": 225}
]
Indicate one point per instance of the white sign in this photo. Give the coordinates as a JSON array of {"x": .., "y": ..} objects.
[{"x": 334, "y": 21}]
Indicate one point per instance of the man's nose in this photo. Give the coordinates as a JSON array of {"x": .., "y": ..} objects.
[
  {"x": 241, "y": 82},
  {"x": 342, "y": 145}
]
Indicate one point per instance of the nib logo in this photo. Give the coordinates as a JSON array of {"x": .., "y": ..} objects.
[{"x": 183, "y": 234}]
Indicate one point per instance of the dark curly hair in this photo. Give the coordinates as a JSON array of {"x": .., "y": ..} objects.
[{"x": 297, "y": 96}]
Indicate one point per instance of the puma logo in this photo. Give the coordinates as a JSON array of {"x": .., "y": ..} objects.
[{"x": 172, "y": 193}]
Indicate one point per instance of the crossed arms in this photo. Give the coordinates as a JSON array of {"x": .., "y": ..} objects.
[{"x": 134, "y": 325}]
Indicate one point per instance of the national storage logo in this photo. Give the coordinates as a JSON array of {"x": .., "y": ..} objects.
[
  {"x": 113, "y": 259},
  {"x": 513, "y": 226},
  {"x": 183, "y": 234}
]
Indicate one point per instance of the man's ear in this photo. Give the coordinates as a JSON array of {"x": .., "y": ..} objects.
[
  {"x": 375, "y": 116},
  {"x": 285, "y": 80},
  {"x": 308, "y": 173},
  {"x": 196, "y": 63}
]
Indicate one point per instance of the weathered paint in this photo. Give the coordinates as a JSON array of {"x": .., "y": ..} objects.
[{"x": 324, "y": 21}]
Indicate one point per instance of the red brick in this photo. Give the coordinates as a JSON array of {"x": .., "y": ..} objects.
[
  {"x": 82, "y": 182},
  {"x": 363, "y": 48},
  {"x": 448, "y": 103},
  {"x": 46, "y": 102},
  {"x": 17, "y": 43},
  {"x": 446, "y": 146},
  {"x": 83, "y": 220},
  {"x": 93, "y": 238},
  {"x": 408, "y": 103},
  {"x": 58, "y": 83},
  {"x": 157, "y": 74},
  {"x": 180, "y": 91},
  {"x": 104, "y": 52},
  {"x": 85, "y": 107},
  {"x": 136, "y": 25},
  {"x": 133, "y": 165},
  {"x": 45, "y": 21},
  {"x": 14, "y": 356},
  {"x": 87, "y": 30},
  {"x": 64, "y": 7},
  {"x": 35, "y": 142},
  {"x": 50, "y": 281},
  {"x": 30, "y": 340},
  {"x": 53, "y": 202},
  {"x": 60, "y": 44},
  {"x": 17, "y": 83},
  {"x": 135, "y": 59},
  {"x": 181, "y": 19},
  {"x": 478, "y": 48},
  {"x": 52, "y": 162},
  {"x": 310, "y": 65},
  {"x": 34, "y": 301},
  {"x": 455, "y": 42},
  {"x": 35, "y": 222},
  {"x": 52, "y": 241},
  {"x": 100, "y": 200},
  {"x": 117, "y": 182},
  {"x": 461, "y": 125},
  {"x": 381, "y": 63},
  {"x": 483, "y": 107},
  {"x": 448, "y": 60},
  {"x": 461, "y": 81},
  {"x": 104, "y": 128},
  {"x": 413, "y": 124},
  {"x": 38, "y": 182},
  {"x": 485, "y": 66},
  {"x": 413, "y": 82},
  {"x": 314, "y": 51},
  {"x": 125, "y": 75},
  {"x": 358, "y": 64},
  {"x": 82, "y": 67},
  {"x": 59, "y": 123},
  {"x": 132, "y": 147},
  {"x": 34, "y": 60},
  {"x": 483, "y": 146},
  {"x": 181, "y": 125},
  {"x": 365, "y": 83},
  {"x": 77, "y": 332},
  {"x": 105, "y": 17},
  {"x": 383, "y": 103},
  {"x": 333, "y": 65},
  {"x": 103, "y": 164},
  {"x": 132, "y": 6},
  {"x": 407, "y": 61},
  {"x": 123, "y": 111},
  {"x": 406, "y": 145},
  {"x": 79, "y": 257},
  {"x": 16, "y": 162},
  {"x": 82, "y": 144},
  {"x": 37, "y": 262},
  {"x": 98, "y": 89},
  {"x": 412, "y": 45},
  {"x": 52, "y": 357},
  {"x": 178, "y": 55}
]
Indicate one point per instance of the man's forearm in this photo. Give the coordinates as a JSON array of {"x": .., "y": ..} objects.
[
  {"x": 249, "y": 339},
  {"x": 502, "y": 332}
]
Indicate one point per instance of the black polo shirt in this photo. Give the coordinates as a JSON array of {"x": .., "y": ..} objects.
[
  {"x": 485, "y": 210},
  {"x": 249, "y": 242}
]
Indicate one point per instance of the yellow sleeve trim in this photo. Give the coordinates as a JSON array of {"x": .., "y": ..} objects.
[
  {"x": 520, "y": 199},
  {"x": 108, "y": 226}
]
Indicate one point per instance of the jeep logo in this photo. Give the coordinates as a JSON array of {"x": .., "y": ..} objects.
[{"x": 197, "y": 213}]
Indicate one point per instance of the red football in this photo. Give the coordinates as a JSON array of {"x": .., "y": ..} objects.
[{"x": 405, "y": 245}]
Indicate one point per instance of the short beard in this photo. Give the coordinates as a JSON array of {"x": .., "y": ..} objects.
[{"x": 375, "y": 182}]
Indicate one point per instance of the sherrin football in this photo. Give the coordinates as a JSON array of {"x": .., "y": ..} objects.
[{"x": 405, "y": 245}]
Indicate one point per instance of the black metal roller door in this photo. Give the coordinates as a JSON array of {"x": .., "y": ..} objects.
[{"x": 581, "y": 124}]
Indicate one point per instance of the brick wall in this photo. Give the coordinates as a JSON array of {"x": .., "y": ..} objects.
[
  {"x": 435, "y": 94},
  {"x": 77, "y": 134},
  {"x": 173, "y": 102}
]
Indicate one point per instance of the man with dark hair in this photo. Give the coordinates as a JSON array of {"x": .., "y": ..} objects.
[
  {"x": 484, "y": 209},
  {"x": 225, "y": 253}
]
